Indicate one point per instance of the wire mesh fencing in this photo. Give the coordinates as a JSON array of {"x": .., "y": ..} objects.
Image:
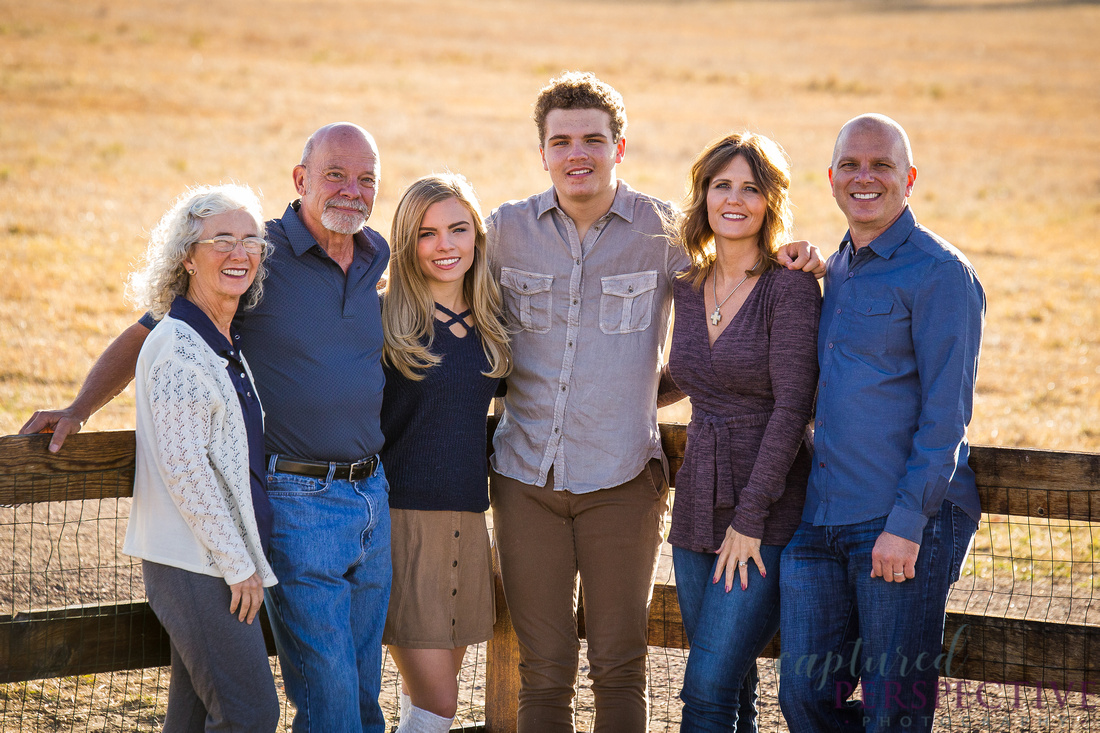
[
  {"x": 65, "y": 558},
  {"x": 61, "y": 561}
]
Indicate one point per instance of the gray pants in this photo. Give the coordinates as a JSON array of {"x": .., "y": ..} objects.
[{"x": 221, "y": 676}]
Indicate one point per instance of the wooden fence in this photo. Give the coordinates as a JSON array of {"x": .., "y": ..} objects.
[{"x": 79, "y": 640}]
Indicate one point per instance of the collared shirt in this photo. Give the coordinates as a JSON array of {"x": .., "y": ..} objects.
[
  {"x": 590, "y": 319},
  {"x": 186, "y": 311},
  {"x": 315, "y": 345},
  {"x": 898, "y": 345}
]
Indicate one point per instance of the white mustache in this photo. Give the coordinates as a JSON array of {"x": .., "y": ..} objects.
[{"x": 346, "y": 203}]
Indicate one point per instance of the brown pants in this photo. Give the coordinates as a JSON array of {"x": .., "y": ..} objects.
[{"x": 612, "y": 539}]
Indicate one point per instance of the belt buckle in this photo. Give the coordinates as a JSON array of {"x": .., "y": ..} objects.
[{"x": 367, "y": 465}]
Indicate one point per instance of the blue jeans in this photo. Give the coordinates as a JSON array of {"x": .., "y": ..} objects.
[
  {"x": 330, "y": 549},
  {"x": 727, "y": 632},
  {"x": 841, "y": 626}
]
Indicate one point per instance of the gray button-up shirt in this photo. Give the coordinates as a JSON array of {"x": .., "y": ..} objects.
[{"x": 590, "y": 319}]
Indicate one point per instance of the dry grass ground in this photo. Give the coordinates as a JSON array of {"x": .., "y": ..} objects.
[{"x": 109, "y": 109}]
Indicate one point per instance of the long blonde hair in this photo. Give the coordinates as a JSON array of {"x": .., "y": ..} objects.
[
  {"x": 772, "y": 172},
  {"x": 408, "y": 314}
]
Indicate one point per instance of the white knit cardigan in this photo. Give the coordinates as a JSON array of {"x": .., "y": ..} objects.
[{"x": 192, "y": 505}]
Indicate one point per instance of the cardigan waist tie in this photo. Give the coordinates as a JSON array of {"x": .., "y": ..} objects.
[{"x": 714, "y": 437}]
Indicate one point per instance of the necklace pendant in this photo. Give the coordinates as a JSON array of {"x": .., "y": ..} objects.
[{"x": 716, "y": 317}]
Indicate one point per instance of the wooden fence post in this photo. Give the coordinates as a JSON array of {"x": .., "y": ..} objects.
[{"x": 501, "y": 666}]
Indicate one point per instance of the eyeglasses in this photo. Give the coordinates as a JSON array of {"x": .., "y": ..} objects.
[{"x": 252, "y": 245}]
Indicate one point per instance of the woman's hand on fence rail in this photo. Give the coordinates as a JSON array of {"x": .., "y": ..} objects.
[{"x": 249, "y": 594}]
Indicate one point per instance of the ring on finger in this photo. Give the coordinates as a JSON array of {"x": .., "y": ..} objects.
[
  {"x": 899, "y": 575},
  {"x": 742, "y": 564}
]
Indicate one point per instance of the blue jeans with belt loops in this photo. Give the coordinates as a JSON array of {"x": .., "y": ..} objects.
[
  {"x": 840, "y": 628},
  {"x": 330, "y": 549}
]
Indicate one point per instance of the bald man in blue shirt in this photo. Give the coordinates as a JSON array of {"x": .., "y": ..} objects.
[{"x": 892, "y": 505}]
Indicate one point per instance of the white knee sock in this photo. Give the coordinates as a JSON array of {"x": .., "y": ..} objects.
[
  {"x": 421, "y": 721},
  {"x": 406, "y": 703}
]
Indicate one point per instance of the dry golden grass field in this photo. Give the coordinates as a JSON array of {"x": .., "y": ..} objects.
[{"x": 109, "y": 109}]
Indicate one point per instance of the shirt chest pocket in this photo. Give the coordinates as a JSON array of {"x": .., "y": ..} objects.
[
  {"x": 869, "y": 325},
  {"x": 527, "y": 297},
  {"x": 626, "y": 302}
]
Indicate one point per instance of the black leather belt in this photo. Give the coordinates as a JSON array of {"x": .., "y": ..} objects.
[{"x": 319, "y": 469}]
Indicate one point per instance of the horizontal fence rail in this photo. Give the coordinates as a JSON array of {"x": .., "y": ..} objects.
[{"x": 87, "y": 639}]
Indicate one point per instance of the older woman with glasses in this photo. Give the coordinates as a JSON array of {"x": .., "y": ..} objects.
[{"x": 200, "y": 518}]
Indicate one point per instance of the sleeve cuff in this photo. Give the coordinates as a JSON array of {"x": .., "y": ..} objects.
[
  {"x": 241, "y": 575},
  {"x": 906, "y": 523},
  {"x": 148, "y": 321},
  {"x": 749, "y": 523}
]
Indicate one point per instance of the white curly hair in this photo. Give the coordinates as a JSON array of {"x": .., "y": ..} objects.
[{"x": 161, "y": 275}]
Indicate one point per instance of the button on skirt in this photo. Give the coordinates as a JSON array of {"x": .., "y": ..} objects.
[{"x": 442, "y": 593}]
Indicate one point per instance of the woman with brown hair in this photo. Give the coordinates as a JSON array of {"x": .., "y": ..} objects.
[{"x": 744, "y": 349}]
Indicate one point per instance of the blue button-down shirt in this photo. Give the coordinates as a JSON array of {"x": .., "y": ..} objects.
[{"x": 900, "y": 334}]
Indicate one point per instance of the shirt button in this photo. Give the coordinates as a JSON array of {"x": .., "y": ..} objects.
[
  {"x": 851, "y": 274},
  {"x": 830, "y": 345},
  {"x": 821, "y": 465},
  {"x": 454, "y": 564},
  {"x": 242, "y": 375},
  {"x": 456, "y": 533},
  {"x": 569, "y": 343},
  {"x": 578, "y": 260},
  {"x": 819, "y": 423},
  {"x": 563, "y": 388},
  {"x": 574, "y": 301},
  {"x": 838, "y": 310},
  {"x": 454, "y": 591},
  {"x": 525, "y": 286},
  {"x": 630, "y": 289}
]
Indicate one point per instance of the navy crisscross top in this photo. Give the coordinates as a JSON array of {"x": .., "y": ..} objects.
[{"x": 435, "y": 451}]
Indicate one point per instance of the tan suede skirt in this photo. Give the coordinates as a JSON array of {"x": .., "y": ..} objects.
[{"x": 442, "y": 592}]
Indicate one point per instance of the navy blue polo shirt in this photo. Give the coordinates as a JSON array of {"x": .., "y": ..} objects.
[
  {"x": 314, "y": 344},
  {"x": 186, "y": 311}
]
